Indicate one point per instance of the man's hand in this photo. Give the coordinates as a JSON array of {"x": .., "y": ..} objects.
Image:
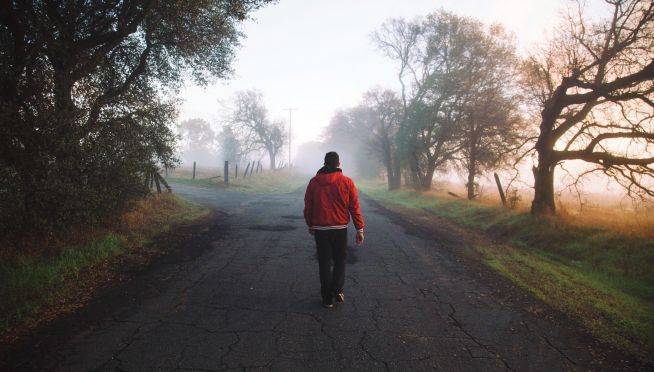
[
  {"x": 359, "y": 238},
  {"x": 312, "y": 231}
]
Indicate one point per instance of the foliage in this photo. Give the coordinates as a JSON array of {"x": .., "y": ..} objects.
[
  {"x": 385, "y": 120},
  {"x": 349, "y": 134},
  {"x": 455, "y": 94},
  {"x": 83, "y": 107},
  {"x": 230, "y": 146},
  {"x": 491, "y": 124},
  {"x": 593, "y": 86},
  {"x": 198, "y": 141}
]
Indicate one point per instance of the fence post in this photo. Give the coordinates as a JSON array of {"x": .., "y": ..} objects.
[
  {"x": 156, "y": 181},
  {"x": 163, "y": 181},
  {"x": 252, "y": 169},
  {"x": 236, "y": 171},
  {"x": 499, "y": 188},
  {"x": 259, "y": 166},
  {"x": 245, "y": 174},
  {"x": 193, "y": 170},
  {"x": 226, "y": 172}
]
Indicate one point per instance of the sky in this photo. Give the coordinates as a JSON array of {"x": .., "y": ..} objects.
[{"x": 317, "y": 56}]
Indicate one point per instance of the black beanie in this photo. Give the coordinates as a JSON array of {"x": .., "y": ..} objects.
[{"x": 331, "y": 159}]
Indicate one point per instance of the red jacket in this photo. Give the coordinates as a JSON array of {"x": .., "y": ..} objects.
[{"x": 329, "y": 201}]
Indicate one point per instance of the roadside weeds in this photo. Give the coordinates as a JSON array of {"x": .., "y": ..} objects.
[{"x": 37, "y": 289}]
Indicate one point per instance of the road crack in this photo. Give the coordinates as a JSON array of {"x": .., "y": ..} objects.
[{"x": 458, "y": 325}]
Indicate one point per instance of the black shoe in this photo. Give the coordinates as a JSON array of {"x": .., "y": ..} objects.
[
  {"x": 327, "y": 302},
  {"x": 340, "y": 297}
]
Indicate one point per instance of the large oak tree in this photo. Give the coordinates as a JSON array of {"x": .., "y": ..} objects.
[{"x": 594, "y": 86}]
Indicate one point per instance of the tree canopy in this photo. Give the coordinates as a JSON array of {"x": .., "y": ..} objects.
[
  {"x": 87, "y": 98},
  {"x": 456, "y": 95}
]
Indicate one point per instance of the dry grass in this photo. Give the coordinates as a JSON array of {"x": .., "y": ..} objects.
[
  {"x": 611, "y": 212},
  {"x": 156, "y": 213},
  {"x": 201, "y": 172},
  {"x": 266, "y": 182},
  {"x": 621, "y": 221}
]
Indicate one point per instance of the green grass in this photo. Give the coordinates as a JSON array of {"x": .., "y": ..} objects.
[
  {"x": 32, "y": 283},
  {"x": 602, "y": 278},
  {"x": 26, "y": 283}
]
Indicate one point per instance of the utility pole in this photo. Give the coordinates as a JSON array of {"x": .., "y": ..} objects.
[{"x": 290, "y": 111}]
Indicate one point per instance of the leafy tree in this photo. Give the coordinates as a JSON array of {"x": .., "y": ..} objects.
[
  {"x": 456, "y": 93},
  {"x": 382, "y": 127},
  {"x": 255, "y": 131},
  {"x": 348, "y": 133},
  {"x": 491, "y": 125},
  {"x": 434, "y": 54},
  {"x": 83, "y": 107},
  {"x": 594, "y": 87},
  {"x": 230, "y": 145},
  {"x": 199, "y": 140}
]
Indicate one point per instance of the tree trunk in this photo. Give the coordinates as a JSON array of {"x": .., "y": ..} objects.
[
  {"x": 392, "y": 170},
  {"x": 543, "y": 203},
  {"x": 472, "y": 172},
  {"x": 425, "y": 182},
  {"x": 414, "y": 173},
  {"x": 395, "y": 182},
  {"x": 273, "y": 164},
  {"x": 471, "y": 182}
]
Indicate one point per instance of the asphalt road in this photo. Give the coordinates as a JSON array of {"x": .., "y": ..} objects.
[{"x": 244, "y": 295}]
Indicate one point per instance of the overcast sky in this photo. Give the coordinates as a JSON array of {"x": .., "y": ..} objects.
[{"x": 317, "y": 56}]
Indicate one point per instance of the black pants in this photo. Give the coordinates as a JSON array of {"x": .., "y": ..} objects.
[{"x": 332, "y": 245}]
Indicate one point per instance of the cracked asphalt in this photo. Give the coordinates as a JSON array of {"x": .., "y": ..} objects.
[{"x": 247, "y": 297}]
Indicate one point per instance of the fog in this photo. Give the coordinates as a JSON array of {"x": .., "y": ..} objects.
[{"x": 294, "y": 57}]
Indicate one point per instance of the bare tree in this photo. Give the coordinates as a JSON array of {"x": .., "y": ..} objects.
[
  {"x": 594, "y": 86},
  {"x": 254, "y": 129}
]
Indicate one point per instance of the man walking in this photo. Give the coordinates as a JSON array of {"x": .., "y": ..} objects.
[{"x": 329, "y": 201}]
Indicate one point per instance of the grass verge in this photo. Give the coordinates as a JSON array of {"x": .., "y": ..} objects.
[
  {"x": 36, "y": 286},
  {"x": 266, "y": 182},
  {"x": 602, "y": 278}
]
